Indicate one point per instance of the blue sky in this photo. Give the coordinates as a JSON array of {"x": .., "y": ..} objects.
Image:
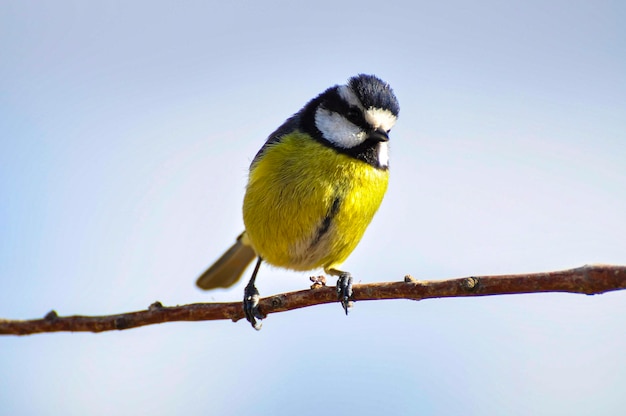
[{"x": 126, "y": 131}]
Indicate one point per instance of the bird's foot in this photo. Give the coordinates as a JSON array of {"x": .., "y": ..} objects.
[
  {"x": 344, "y": 290},
  {"x": 251, "y": 306}
]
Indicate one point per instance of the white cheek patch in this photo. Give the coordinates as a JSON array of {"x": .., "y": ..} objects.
[
  {"x": 337, "y": 129},
  {"x": 380, "y": 119},
  {"x": 383, "y": 154}
]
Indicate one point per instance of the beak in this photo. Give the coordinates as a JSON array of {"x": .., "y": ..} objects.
[{"x": 378, "y": 135}]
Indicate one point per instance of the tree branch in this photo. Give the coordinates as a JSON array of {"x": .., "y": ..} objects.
[{"x": 590, "y": 280}]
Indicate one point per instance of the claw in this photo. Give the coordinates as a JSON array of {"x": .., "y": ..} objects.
[
  {"x": 251, "y": 306},
  {"x": 344, "y": 290},
  {"x": 251, "y": 300}
]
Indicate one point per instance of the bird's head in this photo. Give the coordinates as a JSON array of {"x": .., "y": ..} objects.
[{"x": 356, "y": 118}]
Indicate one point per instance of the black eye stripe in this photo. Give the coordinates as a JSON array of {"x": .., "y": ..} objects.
[
  {"x": 355, "y": 116},
  {"x": 335, "y": 103}
]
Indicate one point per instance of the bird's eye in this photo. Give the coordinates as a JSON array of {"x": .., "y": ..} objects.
[
  {"x": 388, "y": 131},
  {"x": 352, "y": 113}
]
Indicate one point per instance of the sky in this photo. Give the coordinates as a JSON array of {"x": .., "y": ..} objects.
[{"x": 126, "y": 131}]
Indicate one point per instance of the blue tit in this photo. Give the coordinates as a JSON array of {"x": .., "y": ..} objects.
[{"x": 313, "y": 189}]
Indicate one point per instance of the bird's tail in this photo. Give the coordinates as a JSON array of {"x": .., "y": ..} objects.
[{"x": 227, "y": 270}]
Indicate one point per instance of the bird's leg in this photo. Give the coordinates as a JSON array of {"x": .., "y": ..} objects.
[
  {"x": 344, "y": 288},
  {"x": 251, "y": 300}
]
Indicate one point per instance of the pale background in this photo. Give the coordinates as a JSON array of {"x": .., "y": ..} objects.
[{"x": 126, "y": 131}]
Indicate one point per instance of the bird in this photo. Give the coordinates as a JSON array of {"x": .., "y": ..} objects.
[{"x": 313, "y": 188}]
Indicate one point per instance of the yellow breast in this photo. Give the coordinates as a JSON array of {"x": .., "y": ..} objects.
[{"x": 307, "y": 206}]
